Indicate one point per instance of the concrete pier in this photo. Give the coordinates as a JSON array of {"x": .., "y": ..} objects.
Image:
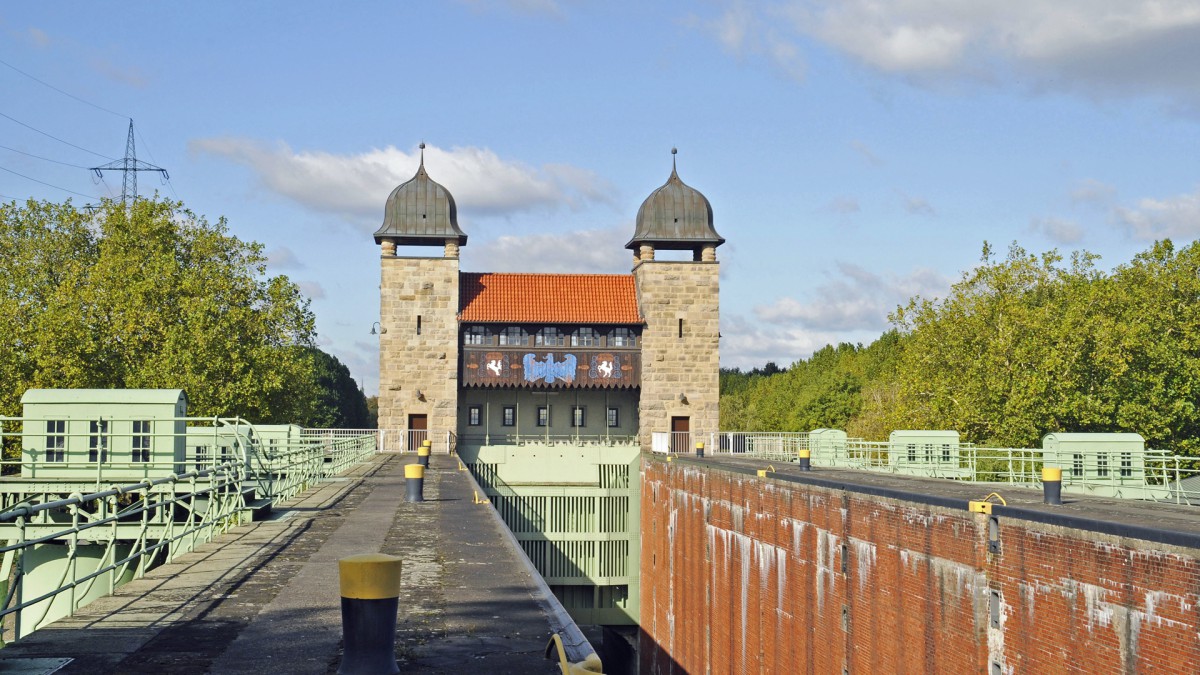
[{"x": 264, "y": 597}]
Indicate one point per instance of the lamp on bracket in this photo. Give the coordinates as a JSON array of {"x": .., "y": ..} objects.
[
  {"x": 683, "y": 398},
  {"x": 420, "y": 395},
  {"x": 381, "y": 330}
]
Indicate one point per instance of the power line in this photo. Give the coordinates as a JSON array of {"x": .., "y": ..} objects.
[
  {"x": 64, "y": 93},
  {"x": 44, "y": 182},
  {"x": 166, "y": 178},
  {"x": 52, "y": 136},
  {"x": 45, "y": 159}
]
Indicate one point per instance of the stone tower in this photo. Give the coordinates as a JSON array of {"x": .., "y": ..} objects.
[
  {"x": 680, "y": 303},
  {"x": 418, "y": 311}
]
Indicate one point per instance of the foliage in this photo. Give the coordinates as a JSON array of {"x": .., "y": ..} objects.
[
  {"x": 150, "y": 297},
  {"x": 339, "y": 404},
  {"x": 1020, "y": 347}
]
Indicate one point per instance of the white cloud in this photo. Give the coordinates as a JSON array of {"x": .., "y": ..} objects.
[
  {"x": 358, "y": 184},
  {"x": 39, "y": 37},
  {"x": 856, "y": 299},
  {"x": 746, "y": 344},
  {"x": 918, "y": 207},
  {"x": 866, "y": 152},
  {"x": 1101, "y": 46},
  {"x": 1093, "y": 192},
  {"x": 844, "y": 205},
  {"x": 1176, "y": 217},
  {"x": 1059, "y": 230},
  {"x": 312, "y": 289},
  {"x": 283, "y": 258},
  {"x": 743, "y": 32},
  {"x": 130, "y": 75},
  {"x": 585, "y": 251}
]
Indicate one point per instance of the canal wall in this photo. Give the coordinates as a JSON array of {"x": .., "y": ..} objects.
[{"x": 796, "y": 574}]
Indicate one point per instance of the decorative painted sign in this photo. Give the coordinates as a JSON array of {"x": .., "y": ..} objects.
[{"x": 533, "y": 368}]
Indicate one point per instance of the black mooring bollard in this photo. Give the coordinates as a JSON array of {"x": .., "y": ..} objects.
[
  {"x": 414, "y": 480},
  {"x": 370, "y": 585},
  {"x": 699, "y": 448},
  {"x": 805, "y": 459},
  {"x": 1051, "y": 485}
]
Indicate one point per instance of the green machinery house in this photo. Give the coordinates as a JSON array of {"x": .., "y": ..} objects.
[
  {"x": 920, "y": 449},
  {"x": 128, "y": 433},
  {"x": 1116, "y": 459}
]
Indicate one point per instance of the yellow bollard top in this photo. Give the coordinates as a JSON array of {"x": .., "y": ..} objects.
[
  {"x": 804, "y": 454},
  {"x": 762, "y": 473},
  {"x": 370, "y": 576},
  {"x": 699, "y": 445},
  {"x": 1051, "y": 473},
  {"x": 427, "y": 443},
  {"x": 423, "y": 451},
  {"x": 414, "y": 471}
]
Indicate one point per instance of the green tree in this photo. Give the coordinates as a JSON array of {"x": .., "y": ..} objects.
[
  {"x": 340, "y": 404},
  {"x": 153, "y": 296}
]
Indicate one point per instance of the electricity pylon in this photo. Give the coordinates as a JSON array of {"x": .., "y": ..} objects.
[{"x": 130, "y": 166}]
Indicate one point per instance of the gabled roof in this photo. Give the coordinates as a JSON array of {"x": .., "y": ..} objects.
[{"x": 548, "y": 298}]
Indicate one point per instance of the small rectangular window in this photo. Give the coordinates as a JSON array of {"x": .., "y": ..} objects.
[
  {"x": 1077, "y": 465},
  {"x": 577, "y": 416},
  {"x": 514, "y": 336},
  {"x": 1126, "y": 464},
  {"x": 141, "y": 441},
  {"x": 614, "y": 417},
  {"x": 56, "y": 440},
  {"x": 418, "y": 324},
  {"x": 474, "y": 335},
  {"x": 549, "y": 337},
  {"x": 912, "y": 452},
  {"x": 543, "y": 416},
  {"x": 475, "y": 415},
  {"x": 622, "y": 337},
  {"x": 585, "y": 337},
  {"x": 681, "y": 328},
  {"x": 945, "y": 452},
  {"x": 510, "y": 416},
  {"x": 1102, "y": 464},
  {"x": 98, "y": 441}
]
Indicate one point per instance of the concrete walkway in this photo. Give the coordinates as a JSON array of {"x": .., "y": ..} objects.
[{"x": 264, "y": 598}]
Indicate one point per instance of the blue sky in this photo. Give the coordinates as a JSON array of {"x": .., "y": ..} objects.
[{"x": 855, "y": 153}]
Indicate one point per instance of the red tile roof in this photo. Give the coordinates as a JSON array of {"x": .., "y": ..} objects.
[{"x": 547, "y": 298}]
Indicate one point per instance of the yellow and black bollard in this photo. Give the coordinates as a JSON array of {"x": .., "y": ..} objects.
[
  {"x": 805, "y": 459},
  {"x": 424, "y": 452},
  {"x": 370, "y": 586},
  {"x": 414, "y": 481},
  {"x": 1051, "y": 485},
  {"x": 699, "y": 448}
]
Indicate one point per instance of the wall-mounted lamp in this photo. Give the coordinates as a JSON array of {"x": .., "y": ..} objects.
[
  {"x": 381, "y": 330},
  {"x": 420, "y": 395},
  {"x": 682, "y": 397}
]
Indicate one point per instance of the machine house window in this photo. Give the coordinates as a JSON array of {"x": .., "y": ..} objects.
[
  {"x": 510, "y": 416},
  {"x": 543, "y": 416},
  {"x": 585, "y": 337},
  {"x": 514, "y": 336},
  {"x": 577, "y": 416},
  {"x": 614, "y": 417},
  {"x": 141, "y": 441},
  {"x": 550, "y": 337},
  {"x": 98, "y": 441},
  {"x": 475, "y": 415},
  {"x": 56, "y": 440}
]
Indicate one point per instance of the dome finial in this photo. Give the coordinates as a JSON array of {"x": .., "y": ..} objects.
[{"x": 422, "y": 146}]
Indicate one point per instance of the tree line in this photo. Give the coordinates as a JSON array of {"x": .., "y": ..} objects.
[
  {"x": 1021, "y": 346},
  {"x": 155, "y": 296}
]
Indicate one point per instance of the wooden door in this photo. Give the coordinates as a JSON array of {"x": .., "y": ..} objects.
[
  {"x": 418, "y": 431},
  {"x": 681, "y": 438}
]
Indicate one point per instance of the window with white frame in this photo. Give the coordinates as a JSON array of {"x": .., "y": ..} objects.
[
  {"x": 578, "y": 418},
  {"x": 543, "y": 416},
  {"x": 585, "y": 337},
  {"x": 56, "y": 440},
  {"x": 514, "y": 336},
  {"x": 475, "y": 415},
  {"x": 550, "y": 337},
  {"x": 141, "y": 440},
  {"x": 614, "y": 417},
  {"x": 622, "y": 337},
  {"x": 510, "y": 416},
  {"x": 475, "y": 335}
]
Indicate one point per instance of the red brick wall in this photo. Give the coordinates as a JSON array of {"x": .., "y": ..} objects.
[{"x": 749, "y": 575}]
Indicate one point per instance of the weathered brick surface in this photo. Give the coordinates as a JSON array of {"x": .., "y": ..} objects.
[
  {"x": 669, "y": 291},
  {"x": 743, "y": 574},
  {"x": 428, "y": 362}
]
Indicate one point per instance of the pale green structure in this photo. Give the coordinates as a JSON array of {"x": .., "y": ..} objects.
[
  {"x": 125, "y": 434},
  {"x": 1102, "y": 463},
  {"x": 916, "y": 451}
]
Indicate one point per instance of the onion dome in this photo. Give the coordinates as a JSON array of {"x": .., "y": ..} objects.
[
  {"x": 675, "y": 216},
  {"x": 420, "y": 212}
]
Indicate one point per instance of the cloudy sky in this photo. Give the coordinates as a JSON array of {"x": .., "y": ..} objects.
[{"x": 855, "y": 152}]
